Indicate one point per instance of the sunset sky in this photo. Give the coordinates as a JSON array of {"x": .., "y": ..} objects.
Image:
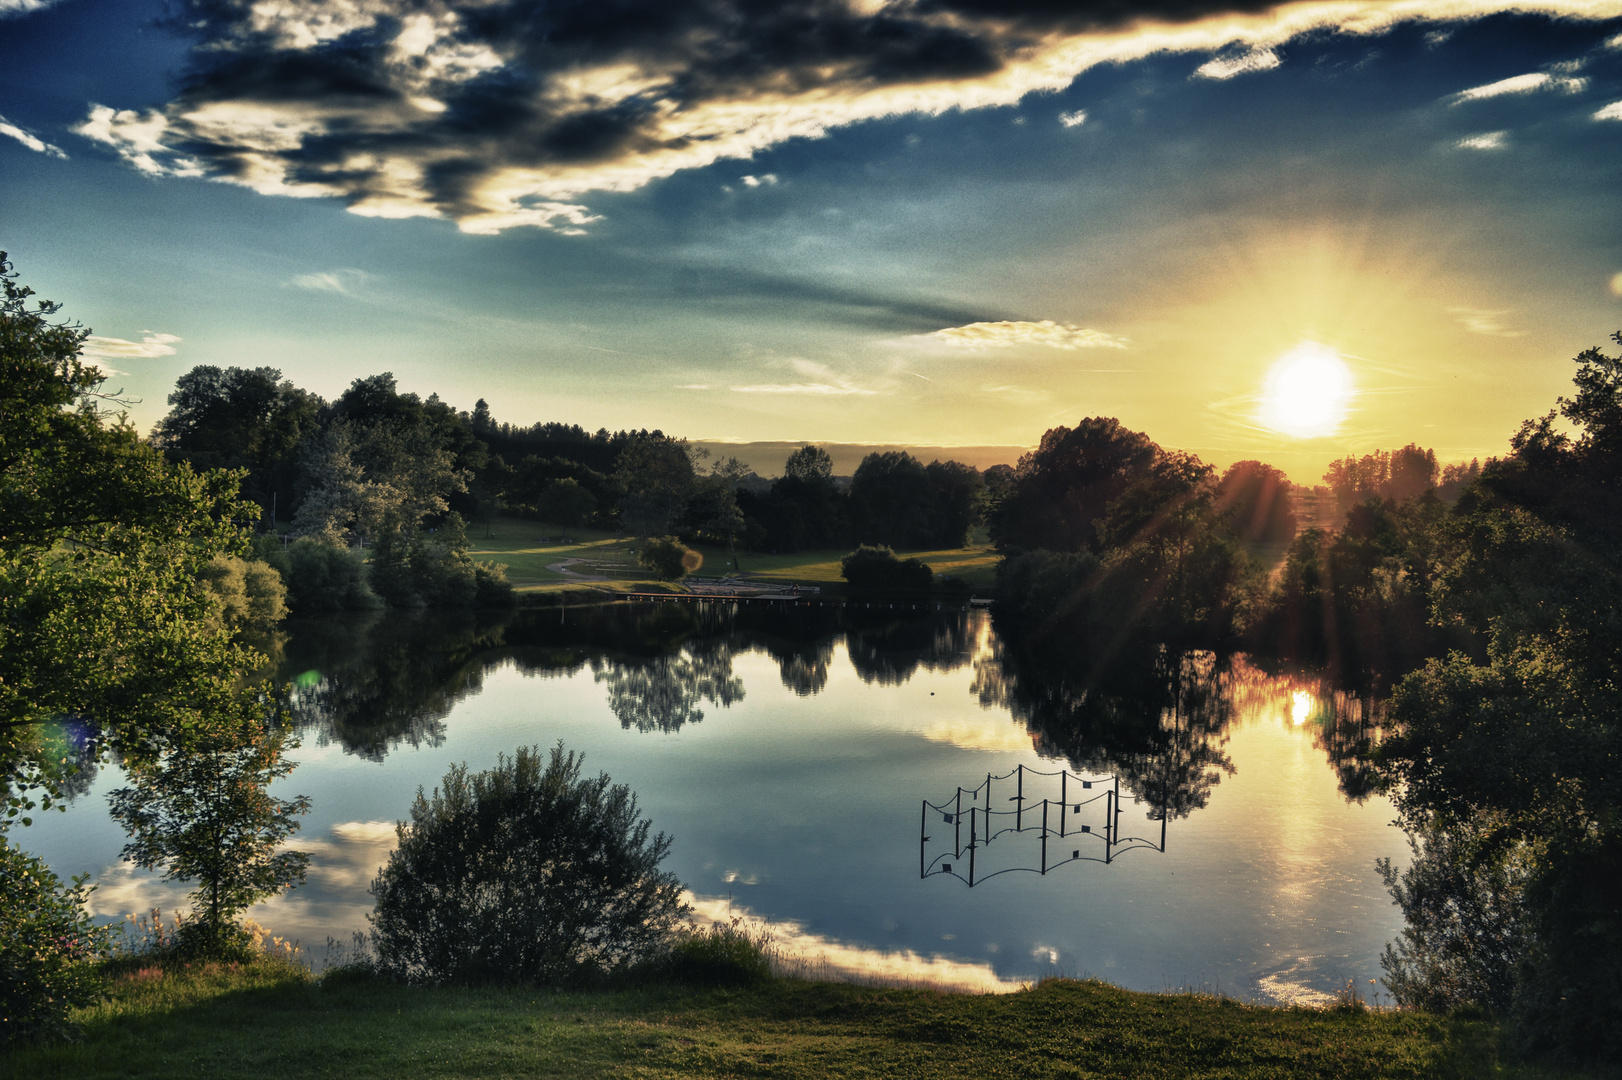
[{"x": 936, "y": 223}]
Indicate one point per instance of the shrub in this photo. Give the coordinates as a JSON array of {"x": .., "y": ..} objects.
[
  {"x": 668, "y": 558},
  {"x": 246, "y": 595},
  {"x": 876, "y": 569},
  {"x": 325, "y": 577},
  {"x": 523, "y": 873},
  {"x": 46, "y": 948},
  {"x": 724, "y": 954}
]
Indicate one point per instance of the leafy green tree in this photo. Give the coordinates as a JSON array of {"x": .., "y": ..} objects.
[
  {"x": 101, "y": 545},
  {"x": 656, "y": 475},
  {"x": 242, "y": 418},
  {"x": 668, "y": 559},
  {"x": 1256, "y": 499},
  {"x": 892, "y": 500},
  {"x": 323, "y": 577},
  {"x": 1061, "y": 491},
  {"x": 565, "y": 503},
  {"x": 811, "y": 465},
  {"x": 416, "y": 568},
  {"x": 248, "y": 596},
  {"x": 524, "y": 873},
  {"x": 201, "y": 812},
  {"x": 47, "y": 948},
  {"x": 877, "y": 570}
]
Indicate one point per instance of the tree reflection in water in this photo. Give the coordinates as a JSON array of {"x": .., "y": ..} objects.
[{"x": 1155, "y": 716}]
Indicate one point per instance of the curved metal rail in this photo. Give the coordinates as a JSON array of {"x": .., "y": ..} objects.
[{"x": 985, "y": 824}]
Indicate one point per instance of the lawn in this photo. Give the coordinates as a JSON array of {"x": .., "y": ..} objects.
[
  {"x": 528, "y": 548},
  {"x": 278, "y": 1023}
]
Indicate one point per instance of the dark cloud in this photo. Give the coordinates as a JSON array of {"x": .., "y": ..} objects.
[{"x": 497, "y": 113}]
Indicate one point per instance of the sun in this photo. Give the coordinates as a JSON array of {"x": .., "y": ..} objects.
[{"x": 1307, "y": 392}]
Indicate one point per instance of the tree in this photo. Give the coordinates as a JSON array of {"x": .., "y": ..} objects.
[
  {"x": 811, "y": 465},
  {"x": 564, "y": 502},
  {"x": 1256, "y": 498},
  {"x": 656, "y": 475},
  {"x": 877, "y": 570},
  {"x": 101, "y": 545},
  {"x": 47, "y": 943},
  {"x": 523, "y": 873},
  {"x": 668, "y": 559},
  {"x": 892, "y": 500},
  {"x": 1062, "y": 489},
  {"x": 201, "y": 812},
  {"x": 241, "y": 418}
]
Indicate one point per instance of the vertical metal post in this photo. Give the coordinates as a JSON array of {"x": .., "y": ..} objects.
[
  {"x": 923, "y": 823},
  {"x": 1045, "y": 835},
  {"x": 957, "y": 826},
  {"x": 1109, "y": 836},
  {"x": 972, "y": 846},
  {"x": 988, "y": 808},
  {"x": 1019, "y": 798},
  {"x": 1064, "y": 798}
]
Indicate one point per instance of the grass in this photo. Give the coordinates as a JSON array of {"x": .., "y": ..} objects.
[
  {"x": 521, "y": 546},
  {"x": 273, "y": 1020}
]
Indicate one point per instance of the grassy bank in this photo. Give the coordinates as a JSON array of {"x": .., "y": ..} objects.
[
  {"x": 529, "y": 549},
  {"x": 276, "y": 1022}
]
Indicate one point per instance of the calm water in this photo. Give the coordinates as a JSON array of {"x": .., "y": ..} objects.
[{"x": 791, "y": 752}]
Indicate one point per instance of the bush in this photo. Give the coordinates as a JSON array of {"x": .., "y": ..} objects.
[
  {"x": 725, "y": 954},
  {"x": 668, "y": 558},
  {"x": 46, "y": 947},
  {"x": 246, "y": 595},
  {"x": 325, "y": 577},
  {"x": 876, "y": 569},
  {"x": 524, "y": 873}
]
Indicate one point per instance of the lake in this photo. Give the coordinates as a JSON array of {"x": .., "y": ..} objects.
[{"x": 807, "y": 760}]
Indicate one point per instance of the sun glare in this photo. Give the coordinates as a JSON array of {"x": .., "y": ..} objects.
[
  {"x": 1307, "y": 392},
  {"x": 1300, "y": 707}
]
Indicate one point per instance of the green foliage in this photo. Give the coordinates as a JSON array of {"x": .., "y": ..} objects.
[
  {"x": 668, "y": 559},
  {"x": 325, "y": 577},
  {"x": 201, "y": 812},
  {"x": 721, "y": 954},
  {"x": 1463, "y": 900},
  {"x": 656, "y": 475},
  {"x": 1256, "y": 500},
  {"x": 872, "y": 569},
  {"x": 47, "y": 944},
  {"x": 524, "y": 873},
  {"x": 1060, "y": 491},
  {"x": 414, "y": 568},
  {"x": 102, "y": 543},
  {"x": 247, "y": 596},
  {"x": 566, "y": 503}
]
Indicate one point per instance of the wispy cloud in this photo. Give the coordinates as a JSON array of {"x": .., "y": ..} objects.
[
  {"x": 1532, "y": 83},
  {"x": 98, "y": 350},
  {"x": 1227, "y": 67},
  {"x": 22, "y": 7},
  {"x": 764, "y": 180},
  {"x": 1005, "y": 334},
  {"x": 33, "y": 142},
  {"x": 344, "y": 281},
  {"x": 693, "y": 386},
  {"x": 482, "y": 113},
  {"x": 820, "y": 381},
  {"x": 1483, "y": 321},
  {"x": 1073, "y": 119},
  {"x": 1613, "y": 111},
  {"x": 1487, "y": 140}
]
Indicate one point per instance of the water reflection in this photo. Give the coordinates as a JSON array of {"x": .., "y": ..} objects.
[{"x": 1052, "y": 806}]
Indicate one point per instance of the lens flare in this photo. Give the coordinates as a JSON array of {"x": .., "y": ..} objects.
[{"x": 1301, "y": 707}]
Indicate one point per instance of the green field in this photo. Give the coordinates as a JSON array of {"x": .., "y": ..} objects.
[
  {"x": 526, "y": 549},
  {"x": 277, "y": 1023}
]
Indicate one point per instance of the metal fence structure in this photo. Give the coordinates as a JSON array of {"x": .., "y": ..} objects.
[{"x": 1075, "y": 819}]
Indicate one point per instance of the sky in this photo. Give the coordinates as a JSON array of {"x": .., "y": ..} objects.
[{"x": 1287, "y": 232}]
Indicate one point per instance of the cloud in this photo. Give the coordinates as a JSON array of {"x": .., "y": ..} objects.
[
  {"x": 1226, "y": 67},
  {"x": 34, "y": 143},
  {"x": 1487, "y": 140},
  {"x": 1003, "y": 335},
  {"x": 1613, "y": 111},
  {"x": 815, "y": 389},
  {"x": 496, "y": 114},
  {"x": 1536, "y": 82},
  {"x": 1073, "y": 119},
  {"x": 693, "y": 386},
  {"x": 22, "y": 7},
  {"x": 1481, "y": 321},
  {"x": 97, "y": 349},
  {"x": 343, "y": 281},
  {"x": 1616, "y": 283},
  {"x": 766, "y": 179}
]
